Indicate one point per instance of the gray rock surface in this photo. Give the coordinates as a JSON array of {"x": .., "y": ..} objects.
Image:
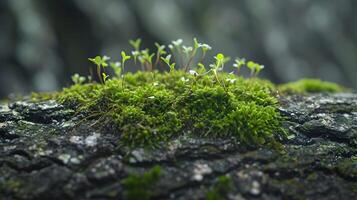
[{"x": 48, "y": 152}]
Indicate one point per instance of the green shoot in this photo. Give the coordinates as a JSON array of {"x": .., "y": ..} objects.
[
  {"x": 255, "y": 68},
  {"x": 177, "y": 46},
  {"x": 124, "y": 58},
  {"x": 238, "y": 63},
  {"x": 135, "y": 55},
  {"x": 218, "y": 66},
  {"x": 146, "y": 58},
  {"x": 251, "y": 66},
  {"x": 136, "y": 44},
  {"x": 201, "y": 68},
  {"x": 205, "y": 48},
  {"x": 193, "y": 51},
  {"x": 77, "y": 79},
  {"x": 105, "y": 77},
  {"x": 177, "y": 43},
  {"x": 160, "y": 51},
  {"x": 258, "y": 68},
  {"x": 187, "y": 50},
  {"x": 167, "y": 61},
  {"x": 100, "y": 62},
  {"x": 116, "y": 66}
]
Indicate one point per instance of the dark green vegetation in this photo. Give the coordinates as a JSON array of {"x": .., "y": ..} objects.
[
  {"x": 154, "y": 107},
  {"x": 140, "y": 187},
  {"x": 220, "y": 189}
]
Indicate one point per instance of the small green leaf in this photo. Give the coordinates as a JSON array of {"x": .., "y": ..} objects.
[
  {"x": 124, "y": 56},
  {"x": 105, "y": 76},
  {"x": 135, "y": 43},
  {"x": 160, "y": 49}
]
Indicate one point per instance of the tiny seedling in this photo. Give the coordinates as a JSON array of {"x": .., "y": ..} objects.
[
  {"x": 177, "y": 43},
  {"x": 160, "y": 51},
  {"x": 146, "y": 58},
  {"x": 201, "y": 69},
  {"x": 205, "y": 48},
  {"x": 136, "y": 44},
  {"x": 193, "y": 52},
  {"x": 167, "y": 60},
  {"x": 177, "y": 46},
  {"x": 77, "y": 79},
  {"x": 100, "y": 62},
  {"x": 251, "y": 67},
  {"x": 116, "y": 66},
  {"x": 254, "y": 68},
  {"x": 187, "y": 50},
  {"x": 258, "y": 68},
  {"x": 239, "y": 63},
  {"x": 218, "y": 66},
  {"x": 124, "y": 58},
  {"x": 105, "y": 77},
  {"x": 135, "y": 55}
]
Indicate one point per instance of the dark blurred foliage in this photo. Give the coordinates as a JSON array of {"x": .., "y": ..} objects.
[{"x": 42, "y": 42}]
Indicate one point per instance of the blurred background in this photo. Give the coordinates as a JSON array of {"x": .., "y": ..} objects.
[{"x": 42, "y": 42}]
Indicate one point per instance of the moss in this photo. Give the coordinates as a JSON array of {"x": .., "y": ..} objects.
[
  {"x": 311, "y": 86},
  {"x": 220, "y": 189},
  {"x": 153, "y": 107},
  {"x": 348, "y": 167},
  {"x": 140, "y": 187},
  {"x": 12, "y": 185},
  {"x": 36, "y": 97}
]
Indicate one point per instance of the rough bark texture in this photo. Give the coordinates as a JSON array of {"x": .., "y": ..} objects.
[{"x": 47, "y": 153}]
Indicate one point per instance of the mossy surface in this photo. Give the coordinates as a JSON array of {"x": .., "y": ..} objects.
[
  {"x": 220, "y": 189},
  {"x": 311, "y": 86},
  {"x": 139, "y": 187},
  {"x": 151, "y": 107}
]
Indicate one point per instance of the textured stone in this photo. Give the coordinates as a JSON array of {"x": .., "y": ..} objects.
[{"x": 47, "y": 153}]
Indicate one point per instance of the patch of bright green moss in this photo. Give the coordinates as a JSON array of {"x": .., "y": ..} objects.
[
  {"x": 311, "y": 86},
  {"x": 139, "y": 187},
  {"x": 152, "y": 107}
]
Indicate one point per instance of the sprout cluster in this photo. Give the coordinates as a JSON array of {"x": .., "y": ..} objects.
[{"x": 175, "y": 56}]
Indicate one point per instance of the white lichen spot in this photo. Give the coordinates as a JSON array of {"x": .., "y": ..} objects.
[
  {"x": 91, "y": 140},
  {"x": 137, "y": 156},
  {"x": 76, "y": 139},
  {"x": 200, "y": 170},
  {"x": 64, "y": 158},
  {"x": 255, "y": 189},
  {"x": 75, "y": 160}
]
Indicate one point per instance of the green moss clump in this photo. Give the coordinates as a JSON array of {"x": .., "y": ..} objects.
[
  {"x": 152, "y": 107},
  {"x": 348, "y": 167},
  {"x": 311, "y": 86},
  {"x": 220, "y": 189},
  {"x": 139, "y": 187}
]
